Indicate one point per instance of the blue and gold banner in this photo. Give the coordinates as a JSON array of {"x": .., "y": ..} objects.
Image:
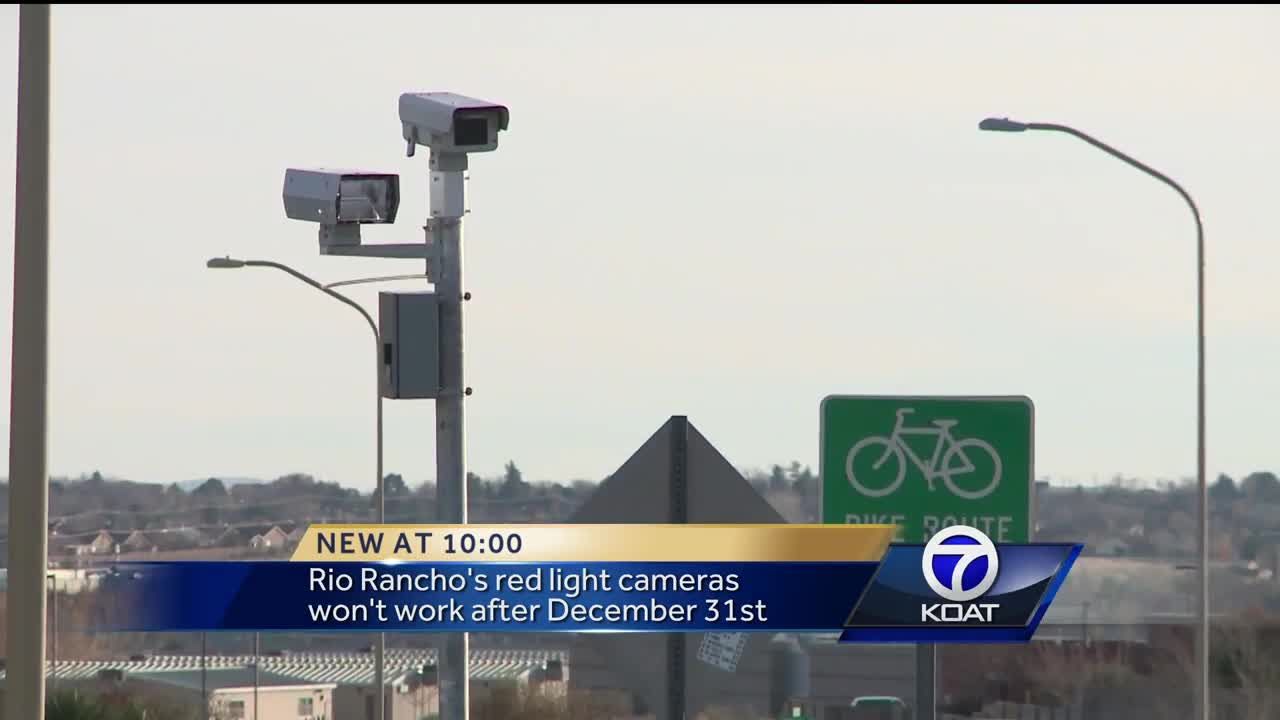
[
  {"x": 612, "y": 578},
  {"x": 596, "y": 543}
]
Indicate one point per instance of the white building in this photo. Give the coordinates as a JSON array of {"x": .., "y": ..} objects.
[
  {"x": 233, "y": 693},
  {"x": 331, "y": 685}
]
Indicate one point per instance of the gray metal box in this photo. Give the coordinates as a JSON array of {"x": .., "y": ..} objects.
[
  {"x": 317, "y": 195},
  {"x": 451, "y": 123},
  {"x": 409, "y": 324}
]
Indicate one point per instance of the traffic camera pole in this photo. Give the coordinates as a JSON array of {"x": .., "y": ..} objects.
[{"x": 444, "y": 235}]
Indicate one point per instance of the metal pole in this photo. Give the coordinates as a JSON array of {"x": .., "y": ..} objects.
[
  {"x": 28, "y": 420},
  {"x": 204, "y": 675},
  {"x": 257, "y": 649},
  {"x": 1203, "y": 698},
  {"x": 1084, "y": 654},
  {"x": 53, "y": 641},
  {"x": 380, "y": 649},
  {"x": 677, "y": 700},
  {"x": 1205, "y": 693},
  {"x": 379, "y": 481},
  {"x": 926, "y": 682},
  {"x": 445, "y": 230}
]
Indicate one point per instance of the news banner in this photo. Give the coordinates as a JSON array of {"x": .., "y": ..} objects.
[{"x": 960, "y": 587}]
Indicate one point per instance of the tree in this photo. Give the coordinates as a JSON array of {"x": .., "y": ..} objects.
[
  {"x": 476, "y": 486},
  {"x": 1248, "y": 664},
  {"x": 211, "y": 488},
  {"x": 395, "y": 485},
  {"x": 396, "y": 488},
  {"x": 1262, "y": 486},
  {"x": 1249, "y": 547},
  {"x": 210, "y": 515},
  {"x": 295, "y": 481},
  {"x": 806, "y": 483},
  {"x": 511, "y": 474},
  {"x": 513, "y": 484},
  {"x": 111, "y": 706},
  {"x": 777, "y": 479},
  {"x": 73, "y": 706},
  {"x": 1223, "y": 490}
]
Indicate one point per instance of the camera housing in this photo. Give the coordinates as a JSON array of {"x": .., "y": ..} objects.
[
  {"x": 341, "y": 201},
  {"x": 341, "y": 197},
  {"x": 449, "y": 123}
]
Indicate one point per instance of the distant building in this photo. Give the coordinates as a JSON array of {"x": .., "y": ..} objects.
[
  {"x": 1113, "y": 548},
  {"x": 104, "y": 543},
  {"x": 137, "y": 542},
  {"x": 273, "y": 539},
  {"x": 315, "y": 686},
  {"x": 177, "y": 539},
  {"x": 261, "y": 538},
  {"x": 231, "y": 692},
  {"x": 233, "y": 537}
]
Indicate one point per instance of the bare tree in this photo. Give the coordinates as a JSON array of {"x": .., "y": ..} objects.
[{"x": 1250, "y": 671}]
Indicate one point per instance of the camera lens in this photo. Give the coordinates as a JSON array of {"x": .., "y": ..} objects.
[{"x": 471, "y": 131}]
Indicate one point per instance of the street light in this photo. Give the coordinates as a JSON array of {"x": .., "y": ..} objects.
[
  {"x": 228, "y": 263},
  {"x": 1007, "y": 125}
]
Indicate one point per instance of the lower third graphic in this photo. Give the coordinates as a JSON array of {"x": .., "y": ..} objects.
[{"x": 960, "y": 587}]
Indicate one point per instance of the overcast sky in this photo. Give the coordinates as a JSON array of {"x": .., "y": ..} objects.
[{"x": 722, "y": 212}]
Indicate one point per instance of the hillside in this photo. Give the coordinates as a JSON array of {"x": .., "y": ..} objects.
[{"x": 1123, "y": 518}]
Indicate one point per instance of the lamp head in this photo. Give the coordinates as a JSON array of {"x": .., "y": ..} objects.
[
  {"x": 224, "y": 263},
  {"x": 1002, "y": 125}
]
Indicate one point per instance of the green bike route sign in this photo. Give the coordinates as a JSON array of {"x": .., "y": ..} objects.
[{"x": 925, "y": 463}]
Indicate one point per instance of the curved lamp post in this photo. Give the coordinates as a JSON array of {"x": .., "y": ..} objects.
[
  {"x": 232, "y": 263},
  {"x": 1202, "y": 541}
]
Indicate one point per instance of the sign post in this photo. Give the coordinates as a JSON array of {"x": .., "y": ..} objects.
[{"x": 928, "y": 462}]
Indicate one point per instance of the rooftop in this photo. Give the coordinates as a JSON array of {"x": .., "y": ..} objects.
[
  {"x": 216, "y": 679},
  {"x": 317, "y": 668}
]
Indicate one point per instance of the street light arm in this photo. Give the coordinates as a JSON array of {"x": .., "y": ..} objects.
[
  {"x": 1054, "y": 127},
  {"x": 315, "y": 284}
]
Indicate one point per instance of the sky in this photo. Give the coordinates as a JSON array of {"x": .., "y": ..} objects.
[{"x": 722, "y": 212}]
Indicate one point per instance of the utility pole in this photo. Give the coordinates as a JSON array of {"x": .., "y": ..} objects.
[
  {"x": 29, "y": 391},
  {"x": 444, "y": 237}
]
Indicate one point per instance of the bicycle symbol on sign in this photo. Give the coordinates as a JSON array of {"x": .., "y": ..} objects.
[{"x": 948, "y": 461}]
